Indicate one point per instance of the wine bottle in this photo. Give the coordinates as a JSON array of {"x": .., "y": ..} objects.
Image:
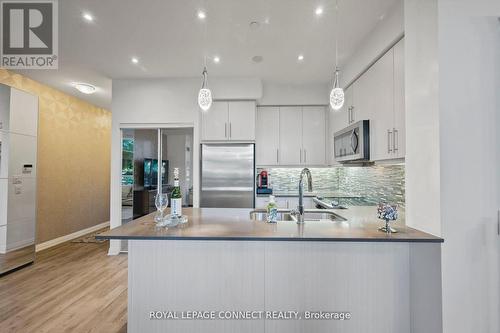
[{"x": 176, "y": 197}]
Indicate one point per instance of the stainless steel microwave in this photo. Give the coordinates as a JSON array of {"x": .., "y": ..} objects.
[{"x": 352, "y": 144}]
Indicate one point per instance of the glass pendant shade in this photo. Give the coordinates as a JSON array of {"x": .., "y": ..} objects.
[
  {"x": 205, "y": 95},
  {"x": 337, "y": 94}
]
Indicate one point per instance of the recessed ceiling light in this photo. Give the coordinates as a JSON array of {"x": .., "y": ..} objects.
[
  {"x": 300, "y": 57},
  {"x": 254, "y": 25},
  {"x": 216, "y": 59},
  {"x": 85, "y": 88},
  {"x": 257, "y": 59},
  {"x": 318, "y": 11},
  {"x": 88, "y": 17},
  {"x": 134, "y": 60},
  {"x": 201, "y": 15}
]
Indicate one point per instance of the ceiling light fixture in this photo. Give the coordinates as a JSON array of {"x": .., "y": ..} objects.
[
  {"x": 201, "y": 15},
  {"x": 205, "y": 95},
  {"x": 318, "y": 11},
  {"x": 216, "y": 59},
  {"x": 134, "y": 60},
  {"x": 85, "y": 88},
  {"x": 337, "y": 94},
  {"x": 88, "y": 17},
  {"x": 300, "y": 57}
]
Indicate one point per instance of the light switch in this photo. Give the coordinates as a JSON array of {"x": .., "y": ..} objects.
[{"x": 17, "y": 189}]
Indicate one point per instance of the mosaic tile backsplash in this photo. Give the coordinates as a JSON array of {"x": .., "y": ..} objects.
[{"x": 380, "y": 183}]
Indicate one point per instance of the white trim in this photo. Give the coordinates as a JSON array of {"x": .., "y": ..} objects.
[
  {"x": 62, "y": 239},
  {"x": 156, "y": 125},
  {"x": 114, "y": 247}
]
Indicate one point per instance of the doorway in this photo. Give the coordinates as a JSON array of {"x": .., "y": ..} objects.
[{"x": 142, "y": 177}]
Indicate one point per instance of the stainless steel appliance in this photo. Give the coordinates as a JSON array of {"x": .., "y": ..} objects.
[
  {"x": 18, "y": 149},
  {"x": 227, "y": 175},
  {"x": 352, "y": 144}
]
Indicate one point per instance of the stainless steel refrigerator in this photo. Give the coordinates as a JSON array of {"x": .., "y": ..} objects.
[{"x": 227, "y": 175}]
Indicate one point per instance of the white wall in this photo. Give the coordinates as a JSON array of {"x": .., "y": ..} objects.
[
  {"x": 469, "y": 86},
  {"x": 143, "y": 103},
  {"x": 453, "y": 150},
  {"x": 294, "y": 94},
  {"x": 422, "y": 116},
  {"x": 386, "y": 33}
]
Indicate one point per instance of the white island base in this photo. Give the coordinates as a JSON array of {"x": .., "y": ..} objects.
[{"x": 386, "y": 287}]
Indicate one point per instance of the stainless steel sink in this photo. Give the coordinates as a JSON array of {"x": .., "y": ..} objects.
[
  {"x": 310, "y": 215},
  {"x": 261, "y": 215}
]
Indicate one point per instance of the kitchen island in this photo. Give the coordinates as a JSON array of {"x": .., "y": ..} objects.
[{"x": 226, "y": 271}]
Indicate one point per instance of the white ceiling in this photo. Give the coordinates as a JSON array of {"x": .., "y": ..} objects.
[{"x": 170, "y": 41}]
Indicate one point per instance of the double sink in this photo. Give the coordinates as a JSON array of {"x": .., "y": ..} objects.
[{"x": 287, "y": 215}]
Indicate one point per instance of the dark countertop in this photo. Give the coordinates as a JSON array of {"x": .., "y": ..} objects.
[
  {"x": 311, "y": 194},
  {"x": 235, "y": 224}
]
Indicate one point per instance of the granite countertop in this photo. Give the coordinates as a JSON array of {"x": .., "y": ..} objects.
[{"x": 359, "y": 225}]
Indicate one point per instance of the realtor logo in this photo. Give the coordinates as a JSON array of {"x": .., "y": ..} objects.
[{"x": 29, "y": 34}]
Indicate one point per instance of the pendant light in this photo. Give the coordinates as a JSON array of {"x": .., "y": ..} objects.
[
  {"x": 337, "y": 94},
  {"x": 205, "y": 95}
]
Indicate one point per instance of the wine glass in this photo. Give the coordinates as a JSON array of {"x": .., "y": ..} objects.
[{"x": 161, "y": 203}]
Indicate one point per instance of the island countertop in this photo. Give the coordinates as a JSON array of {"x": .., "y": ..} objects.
[{"x": 360, "y": 225}]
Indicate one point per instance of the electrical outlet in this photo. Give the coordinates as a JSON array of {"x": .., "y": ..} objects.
[{"x": 17, "y": 189}]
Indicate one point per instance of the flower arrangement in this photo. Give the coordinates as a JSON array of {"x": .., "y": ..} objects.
[{"x": 387, "y": 213}]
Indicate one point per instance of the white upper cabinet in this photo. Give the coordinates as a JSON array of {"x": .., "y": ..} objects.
[
  {"x": 214, "y": 122},
  {"x": 290, "y": 133},
  {"x": 377, "y": 95},
  {"x": 242, "y": 121},
  {"x": 229, "y": 121},
  {"x": 399, "y": 101},
  {"x": 377, "y": 102},
  {"x": 313, "y": 135},
  {"x": 291, "y": 136},
  {"x": 348, "y": 107},
  {"x": 267, "y": 136}
]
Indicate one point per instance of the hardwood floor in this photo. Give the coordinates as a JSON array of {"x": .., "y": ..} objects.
[{"x": 74, "y": 287}]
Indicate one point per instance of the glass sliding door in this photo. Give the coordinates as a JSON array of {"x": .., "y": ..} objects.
[
  {"x": 177, "y": 151},
  {"x": 143, "y": 176}
]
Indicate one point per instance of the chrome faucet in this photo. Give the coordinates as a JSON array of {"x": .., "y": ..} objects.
[{"x": 300, "y": 208}]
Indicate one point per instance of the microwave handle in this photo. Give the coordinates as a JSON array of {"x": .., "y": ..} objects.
[{"x": 354, "y": 141}]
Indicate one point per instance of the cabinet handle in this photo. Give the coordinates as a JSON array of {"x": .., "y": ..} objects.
[
  {"x": 277, "y": 156},
  {"x": 230, "y": 132},
  {"x": 395, "y": 139},
  {"x": 352, "y": 113},
  {"x": 305, "y": 156},
  {"x": 389, "y": 133},
  {"x": 225, "y": 130},
  {"x": 498, "y": 222},
  {"x": 348, "y": 115},
  {"x": 300, "y": 155}
]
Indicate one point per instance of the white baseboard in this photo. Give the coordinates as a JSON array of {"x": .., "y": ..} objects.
[
  {"x": 114, "y": 247},
  {"x": 62, "y": 239}
]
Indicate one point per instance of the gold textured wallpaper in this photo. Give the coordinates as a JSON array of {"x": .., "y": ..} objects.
[{"x": 74, "y": 142}]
